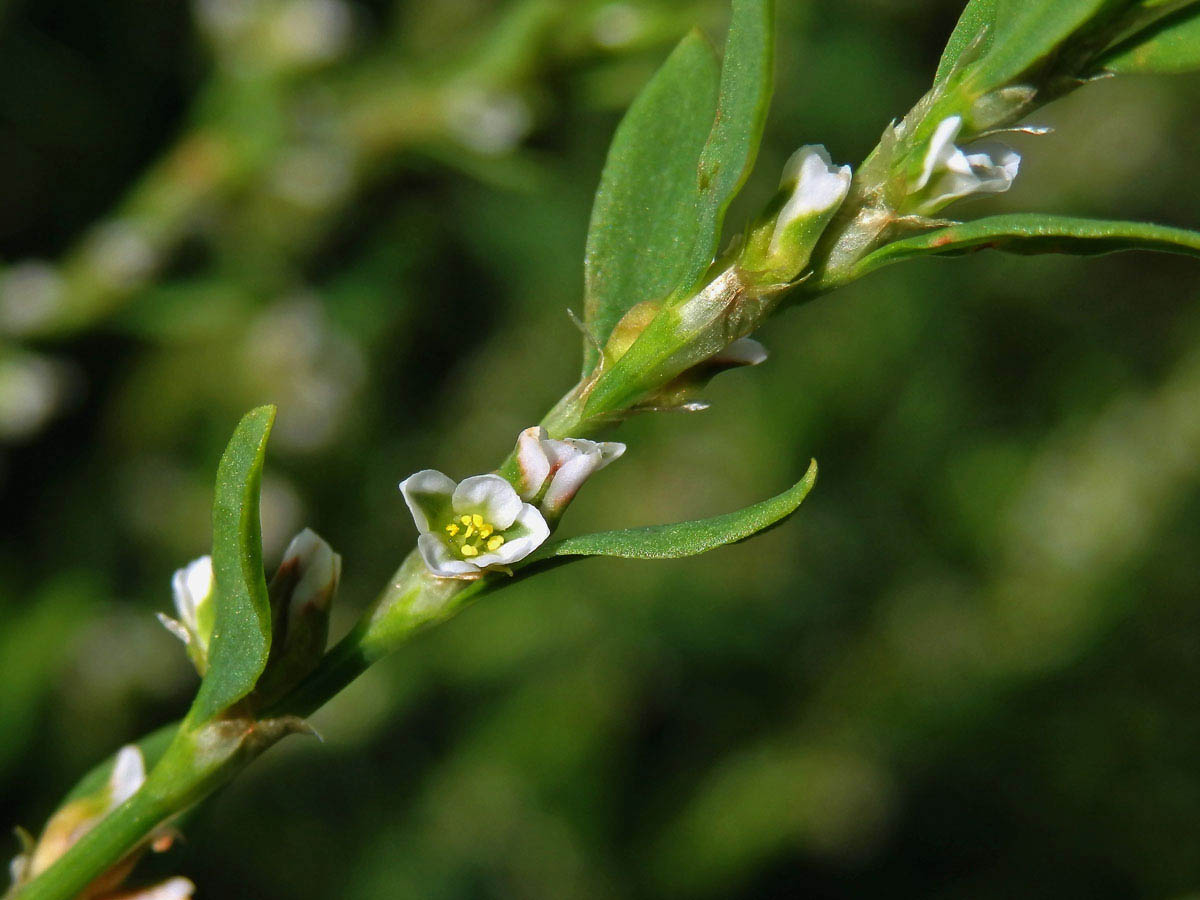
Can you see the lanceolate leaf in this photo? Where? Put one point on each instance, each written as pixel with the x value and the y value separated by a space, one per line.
pixel 1033 234
pixel 1170 46
pixel 974 30
pixel 747 77
pixel 680 156
pixel 682 538
pixel 645 218
pixel 1029 31
pixel 241 637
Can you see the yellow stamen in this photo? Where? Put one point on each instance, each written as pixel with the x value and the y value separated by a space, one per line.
pixel 471 534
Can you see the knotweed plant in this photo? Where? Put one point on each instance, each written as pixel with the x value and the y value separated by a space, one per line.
pixel 666 307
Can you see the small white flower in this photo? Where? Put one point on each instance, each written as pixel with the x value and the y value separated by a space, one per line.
pixel 477 524
pixel 192 587
pixel 554 470
pixel 818 188
pixel 949 174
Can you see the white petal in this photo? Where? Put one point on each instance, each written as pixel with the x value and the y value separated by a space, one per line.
pixel 183 599
pixel 301 548
pixel 319 567
pixel 533 532
pixel 562 452
pixel 199 579
pixel 176 628
pixel 817 185
pixel 18 868
pixel 441 562
pixel 428 494
pixel 191 586
pixel 570 478
pixel 949 174
pixel 742 352
pixel 128 774
pixel 941 148
pixel 998 176
pixel 490 496
pixel 974 174
pixel 611 451
pixel 177 888
pixel 950 186
pixel 532 461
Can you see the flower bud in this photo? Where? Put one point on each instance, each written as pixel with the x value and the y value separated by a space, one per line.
pixel 552 471
pixel 810 191
pixel 948 174
pixel 301 594
pixel 192 587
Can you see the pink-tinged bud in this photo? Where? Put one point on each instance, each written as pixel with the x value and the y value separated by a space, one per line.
pixel 301 594
pixel 552 471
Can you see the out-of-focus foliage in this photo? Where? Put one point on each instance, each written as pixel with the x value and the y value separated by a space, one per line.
pixel 964 669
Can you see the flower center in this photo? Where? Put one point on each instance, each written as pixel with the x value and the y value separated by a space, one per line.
pixel 471 534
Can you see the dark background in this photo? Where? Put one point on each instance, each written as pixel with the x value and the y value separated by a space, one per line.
pixel 966 669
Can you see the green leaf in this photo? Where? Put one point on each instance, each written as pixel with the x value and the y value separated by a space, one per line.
pixel 1031 233
pixel 645 218
pixel 747 78
pixel 682 538
pixel 974 29
pixel 679 157
pixel 1170 47
pixel 1029 31
pixel 241 638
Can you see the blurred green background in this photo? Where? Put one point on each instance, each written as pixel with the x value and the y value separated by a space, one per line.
pixel 966 669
